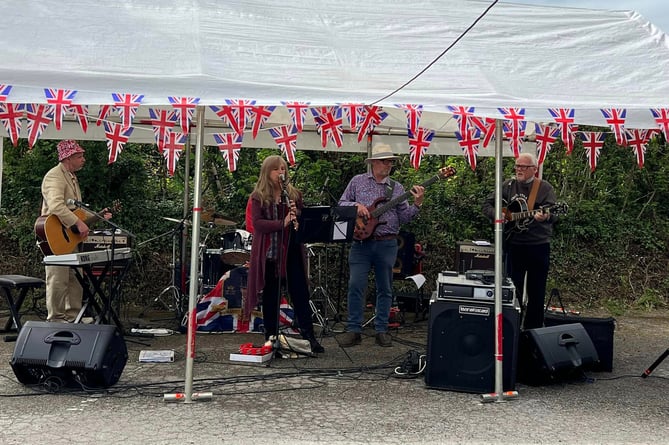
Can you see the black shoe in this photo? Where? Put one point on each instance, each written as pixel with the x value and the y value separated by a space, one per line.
pixel 315 346
pixel 384 339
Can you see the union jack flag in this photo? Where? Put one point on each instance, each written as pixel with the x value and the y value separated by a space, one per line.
pixel 60 100
pixel 413 113
pixel 462 116
pixel 241 110
pixel 4 92
pixel 285 137
pixel 418 145
pixel 298 112
pixel 117 136
pixel 184 107
pixel 81 114
pixel 161 121
pixel 593 142
pixel 329 123
pixel 353 113
pixel 486 127
pixel 103 113
pixel 174 146
pixel 615 117
pixel 638 140
pixel 546 136
pixel 127 105
pixel 564 117
pixel 228 116
pixel 514 127
pixel 469 143
pixel 10 116
pixel 259 115
pixel 38 117
pixel 229 144
pixel 371 117
pixel 661 116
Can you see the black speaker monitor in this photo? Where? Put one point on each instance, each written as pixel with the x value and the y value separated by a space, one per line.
pixel 555 353
pixel 73 355
pixel 461 346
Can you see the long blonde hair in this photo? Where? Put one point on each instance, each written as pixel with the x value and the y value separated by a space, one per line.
pixel 264 189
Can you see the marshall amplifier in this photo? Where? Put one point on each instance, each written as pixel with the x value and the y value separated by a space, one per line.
pixel 104 239
pixel 474 255
pixel 460 287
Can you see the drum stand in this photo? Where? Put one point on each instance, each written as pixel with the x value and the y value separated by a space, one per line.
pixel 320 293
pixel 171 297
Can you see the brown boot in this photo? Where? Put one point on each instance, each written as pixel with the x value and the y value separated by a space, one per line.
pixel 348 339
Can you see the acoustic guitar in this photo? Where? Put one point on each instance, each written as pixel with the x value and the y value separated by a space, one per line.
pixel 364 227
pixel 53 238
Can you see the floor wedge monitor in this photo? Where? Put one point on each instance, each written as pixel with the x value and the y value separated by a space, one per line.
pixel 461 346
pixel 67 354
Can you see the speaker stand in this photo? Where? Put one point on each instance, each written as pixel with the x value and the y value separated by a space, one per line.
pixel 659 360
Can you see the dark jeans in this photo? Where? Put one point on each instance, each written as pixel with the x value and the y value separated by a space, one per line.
pixel 534 261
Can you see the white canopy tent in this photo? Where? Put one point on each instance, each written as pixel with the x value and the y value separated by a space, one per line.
pixel 334 52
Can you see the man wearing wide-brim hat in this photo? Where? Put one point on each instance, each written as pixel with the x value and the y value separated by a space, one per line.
pixel 375 245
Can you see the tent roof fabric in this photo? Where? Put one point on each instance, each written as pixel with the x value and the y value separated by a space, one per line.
pixel 340 51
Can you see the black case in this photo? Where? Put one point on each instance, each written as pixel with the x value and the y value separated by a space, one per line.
pixel 600 331
pixel 66 354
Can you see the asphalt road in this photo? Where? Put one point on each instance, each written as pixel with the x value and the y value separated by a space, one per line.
pixel 351 396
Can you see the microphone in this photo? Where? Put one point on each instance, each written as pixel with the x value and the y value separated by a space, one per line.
pixel 282 178
pixel 74 202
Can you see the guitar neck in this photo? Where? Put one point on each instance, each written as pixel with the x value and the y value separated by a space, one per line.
pixel 393 202
pixel 527 214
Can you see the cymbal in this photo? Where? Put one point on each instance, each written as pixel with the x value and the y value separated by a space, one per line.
pixel 185 221
pixel 222 221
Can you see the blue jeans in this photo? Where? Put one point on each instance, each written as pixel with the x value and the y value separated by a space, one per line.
pixel 380 255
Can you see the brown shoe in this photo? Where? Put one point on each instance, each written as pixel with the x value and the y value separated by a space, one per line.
pixel 348 339
pixel 384 339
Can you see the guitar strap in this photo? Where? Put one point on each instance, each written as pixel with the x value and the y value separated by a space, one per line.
pixel 389 189
pixel 533 193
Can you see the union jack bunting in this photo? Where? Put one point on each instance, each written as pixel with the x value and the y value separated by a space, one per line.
pixel 174 146
pixel 298 112
pixel 10 116
pixel 161 121
pixel 81 114
pixel 329 123
pixel 117 136
pixel 546 136
pixel 4 92
pixel 229 116
pixel 285 137
pixel 103 113
pixel 638 140
pixel 241 110
pixel 615 117
pixel 462 116
pixel 413 113
pixel 127 105
pixel 258 116
pixel 38 117
pixel 184 107
pixel 515 127
pixel 60 100
pixel 371 117
pixel 593 142
pixel 486 127
pixel 564 117
pixel 418 145
pixel 229 145
pixel 353 113
pixel 469 143
pixel 661 116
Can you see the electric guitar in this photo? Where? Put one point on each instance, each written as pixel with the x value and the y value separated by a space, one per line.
pixel 364 227
pixel 518 217
pixel 53 238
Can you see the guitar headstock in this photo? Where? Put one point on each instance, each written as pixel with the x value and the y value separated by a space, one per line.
pixel 446 172
pixel 560 208
pixel 116 206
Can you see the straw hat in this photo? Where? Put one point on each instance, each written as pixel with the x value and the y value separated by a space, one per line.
pixel 381 151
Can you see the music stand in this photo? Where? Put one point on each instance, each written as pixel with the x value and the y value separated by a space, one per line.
pixel 324 225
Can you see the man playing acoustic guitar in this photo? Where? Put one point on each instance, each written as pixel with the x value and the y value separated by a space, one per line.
pixel 377 246
pixel 527 248
pixel 63 291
